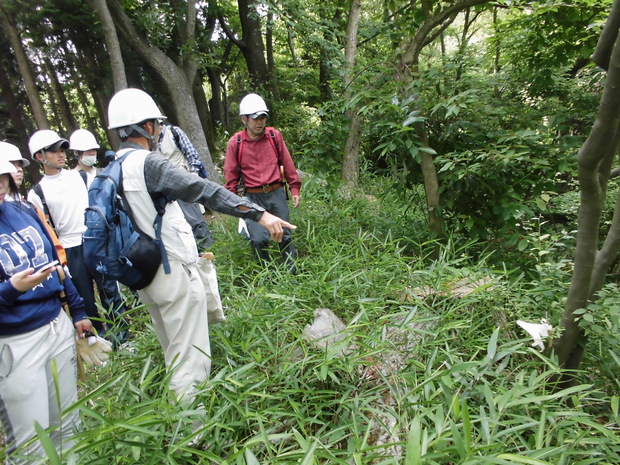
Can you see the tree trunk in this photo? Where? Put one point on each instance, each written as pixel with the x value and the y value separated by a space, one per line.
pixel 252 45
pixel 271 66
pixel 604 48
pixel 101 99
pixel 100 90
pixel 326 58
pixel 595 161
pixel 432 27
pixel 73 69
pixel 468 21
pixel 9 93
pixel 291 42
pixel 430 179
pixel 204 113
pixel 63 108
pixel 36 105
pixel 20 132
pixel 325 74
pixel 93 126
pixel 57 119
pixel 113 47
pixel 218 113
pixel 213 73
pixel 431 186
pixel 351 163
pixel 496 58
pixel 174 78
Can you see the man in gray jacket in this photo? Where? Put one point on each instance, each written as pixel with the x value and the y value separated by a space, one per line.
pixel 176 301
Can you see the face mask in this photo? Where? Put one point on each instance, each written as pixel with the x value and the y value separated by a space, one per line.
pixel 89 160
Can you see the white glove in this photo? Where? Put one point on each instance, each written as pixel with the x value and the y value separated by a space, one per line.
pixel 94 350
pixel 242 228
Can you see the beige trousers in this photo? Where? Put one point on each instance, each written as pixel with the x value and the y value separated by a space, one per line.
pixel 28 364
pixel 177 304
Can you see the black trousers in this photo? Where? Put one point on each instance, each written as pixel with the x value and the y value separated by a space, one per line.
pixel 109 294
pixel 276 203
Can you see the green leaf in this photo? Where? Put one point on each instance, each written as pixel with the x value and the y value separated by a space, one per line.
pixel 48 444
pixel 466 426
pixel 309 457
pixel 540 434
pixel 412 119
pixel 492 346
pixel 520 459
pixel 446 167
pixel 250 458
pixel 414 448
pixel 588 317
pixel 135 450
pixel 428 150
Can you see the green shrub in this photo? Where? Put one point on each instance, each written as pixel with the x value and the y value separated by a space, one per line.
pixel 436 371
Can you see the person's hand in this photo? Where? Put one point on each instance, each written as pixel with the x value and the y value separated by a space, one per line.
pixel 82 326
pixel 28 279
pixel 296 200
pixel 274 225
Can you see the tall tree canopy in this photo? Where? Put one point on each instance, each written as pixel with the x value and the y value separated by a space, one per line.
pixel 483 103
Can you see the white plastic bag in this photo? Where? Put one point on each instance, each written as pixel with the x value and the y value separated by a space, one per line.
pixel 208 275
pixel 326 329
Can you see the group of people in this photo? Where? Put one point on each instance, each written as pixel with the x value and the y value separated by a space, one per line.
pixel 62 195
pixel 37 339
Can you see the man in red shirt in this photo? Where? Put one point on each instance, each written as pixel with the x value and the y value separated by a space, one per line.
pixel 257 164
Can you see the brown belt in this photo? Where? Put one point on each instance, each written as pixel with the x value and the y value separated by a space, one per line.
pixel 265 188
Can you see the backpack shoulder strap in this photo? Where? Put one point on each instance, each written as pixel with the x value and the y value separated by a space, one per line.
pixel 239 147
pixel 175 135
pixel 276 148
pixel 84 177
pixel 46 211
pixel 160 206
pixel 274 143
pixel 239 151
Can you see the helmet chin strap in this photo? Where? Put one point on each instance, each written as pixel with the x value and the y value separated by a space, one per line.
pixel 150 137
pixel 45 162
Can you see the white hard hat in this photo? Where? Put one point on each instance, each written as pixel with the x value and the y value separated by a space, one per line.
pixel 131 106
pixel 10 152
pixel 7 167
pixel 46 139
pixel 83 140
pixel 253 105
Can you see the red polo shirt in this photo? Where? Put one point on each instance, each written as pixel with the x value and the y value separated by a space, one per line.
pixel 260 165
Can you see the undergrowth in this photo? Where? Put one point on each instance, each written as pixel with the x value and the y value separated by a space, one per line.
pixel 432 368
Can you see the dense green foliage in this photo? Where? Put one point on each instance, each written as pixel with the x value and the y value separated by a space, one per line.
pixel 505 136
pixel 506 96
pixel 506 93
pixel 432 374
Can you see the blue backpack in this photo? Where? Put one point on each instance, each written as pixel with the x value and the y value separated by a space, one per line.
pixel 113 245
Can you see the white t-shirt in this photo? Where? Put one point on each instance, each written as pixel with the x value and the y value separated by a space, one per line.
pixel 67 199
